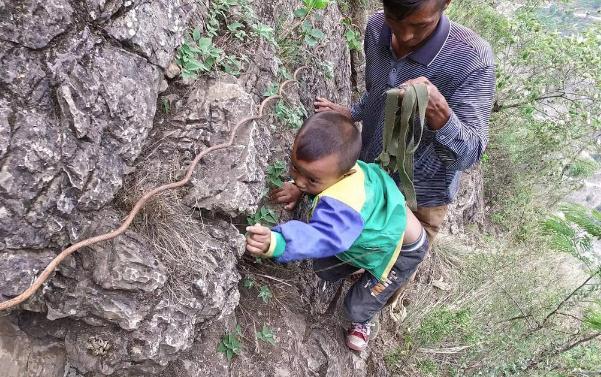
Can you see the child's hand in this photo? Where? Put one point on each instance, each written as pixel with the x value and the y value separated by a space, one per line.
pixel 288 195
pixel 258 239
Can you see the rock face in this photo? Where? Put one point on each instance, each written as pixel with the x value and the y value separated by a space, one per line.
pixel 21 355
pixel 81 139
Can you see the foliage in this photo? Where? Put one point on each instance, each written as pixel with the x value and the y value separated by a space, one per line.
pixel 291 117
pixel 546 109
pixel 309 6
pixel 352 35
pixel 582 168
pixel 230 343
pixel 265 32
pixel 264 216
pixel 248 282
pixel 271 90
pixel 265 293
pixel 276 173
pixel 444 322
pixel 266 335
pixel 166 105
pixel 573 230
pixel 311 35
pixel 198 55
pixel 592 319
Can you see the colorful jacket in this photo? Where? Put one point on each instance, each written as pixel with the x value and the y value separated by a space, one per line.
pixel 361 220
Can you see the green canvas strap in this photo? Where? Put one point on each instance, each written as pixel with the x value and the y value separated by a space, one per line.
pixel 403 109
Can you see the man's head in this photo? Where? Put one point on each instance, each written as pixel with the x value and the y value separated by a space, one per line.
pixel 325 149
pixel 412 21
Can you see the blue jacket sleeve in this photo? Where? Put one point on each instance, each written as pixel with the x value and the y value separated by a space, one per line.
pixel 332 229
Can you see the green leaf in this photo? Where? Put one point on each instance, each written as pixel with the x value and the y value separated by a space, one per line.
pixel 320 4
pixel 317 34
pixel 265 294
pixel 271 90
pixel 234 26
pixel 248 282
pixel 275 181
pixel 266 335
pixel 301 12
pixel 196 34
pixel 204 43
pixel 195 65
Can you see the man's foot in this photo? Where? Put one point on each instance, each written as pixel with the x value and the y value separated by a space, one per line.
pixel 358 336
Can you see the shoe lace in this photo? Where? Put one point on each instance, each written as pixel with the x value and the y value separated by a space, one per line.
pixel 362 328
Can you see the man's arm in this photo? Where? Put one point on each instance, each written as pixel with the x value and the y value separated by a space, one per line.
pixel 461 141
pixel 333 228
pixel 461 123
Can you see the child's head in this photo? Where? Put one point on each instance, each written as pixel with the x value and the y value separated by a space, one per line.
pixel 325 150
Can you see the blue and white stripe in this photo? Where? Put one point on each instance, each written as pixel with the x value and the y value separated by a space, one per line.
pixel 461 65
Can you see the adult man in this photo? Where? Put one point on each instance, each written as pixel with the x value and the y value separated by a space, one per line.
pixel 412 41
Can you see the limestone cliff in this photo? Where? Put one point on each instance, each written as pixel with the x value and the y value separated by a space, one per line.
pixel 82 136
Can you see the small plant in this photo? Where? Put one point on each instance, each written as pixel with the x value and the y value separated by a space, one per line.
pixel 248 282
pixel 230 343
pixel 292 117
pixel 309 6
pixel 198 55
pixel 166 105
pixel 236 29
pixel 264 32
pixel 231 65
pixel 443 323
pixel 265 293
pixel 582 168
pixel 312 36
pixel 276 173
pixel 428 367
pixel 271 90
pixel 264 216
pixel 266 335
pixel 352 35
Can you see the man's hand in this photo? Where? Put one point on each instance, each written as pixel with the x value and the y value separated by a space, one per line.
pixel 258 239
pixel 322 104
pixel 438 111
pixel 287 195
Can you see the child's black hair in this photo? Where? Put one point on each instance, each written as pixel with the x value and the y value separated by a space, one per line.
pixel 327 133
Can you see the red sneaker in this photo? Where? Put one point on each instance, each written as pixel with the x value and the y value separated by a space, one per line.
pixel 358 336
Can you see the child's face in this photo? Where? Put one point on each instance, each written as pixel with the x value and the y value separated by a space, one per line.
pixel 316 176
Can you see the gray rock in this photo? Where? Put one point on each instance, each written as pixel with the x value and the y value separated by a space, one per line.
pixel 18 269
pixel 155 29
pixel 102 10
pixel 34 23
pixel 21 355
pixel 126 263
pixel 94 305
pixel 468 207
pixel 208 116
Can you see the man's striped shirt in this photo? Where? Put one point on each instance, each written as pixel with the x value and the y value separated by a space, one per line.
pixel 460 64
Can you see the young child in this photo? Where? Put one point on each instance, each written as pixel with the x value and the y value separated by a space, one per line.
pixel 359 221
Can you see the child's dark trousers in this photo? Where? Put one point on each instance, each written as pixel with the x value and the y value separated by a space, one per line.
pixel 365 298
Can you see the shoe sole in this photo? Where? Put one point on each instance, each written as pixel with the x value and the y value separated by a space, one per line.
pixel 355 347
